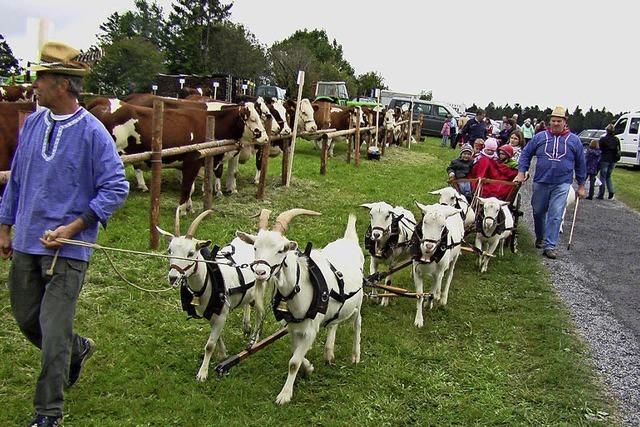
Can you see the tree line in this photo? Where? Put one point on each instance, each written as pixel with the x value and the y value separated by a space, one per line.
pixel 198 37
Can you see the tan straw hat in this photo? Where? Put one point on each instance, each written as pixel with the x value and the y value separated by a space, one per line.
pixel 58 58
pixel 559 112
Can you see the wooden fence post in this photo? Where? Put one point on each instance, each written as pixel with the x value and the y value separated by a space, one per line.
pixel 285 158
pixel 156 172
pixel 294 132
pixel 264 162
pixel 419 128
pixel 384 142
pixel 410 128
pixel 208 165
pixel 324 155
pixel 356 142
pixel 349 138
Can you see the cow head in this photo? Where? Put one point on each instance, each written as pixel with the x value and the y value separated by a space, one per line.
pixel 271 246
pixel 265 114
pixel 449 196
pixel 433 223
pixel 381 214
pixel 356 115
pixel 279 114
pixel 389 119
pixel 306 116
pixel 254 129
pixel 186 246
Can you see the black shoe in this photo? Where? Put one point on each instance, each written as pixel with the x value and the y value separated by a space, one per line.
pixel 550 253
pixel 538 243
pixel 76 366
pixel 610 196
pixel 589 198
pixel 46 421
pixel 600 197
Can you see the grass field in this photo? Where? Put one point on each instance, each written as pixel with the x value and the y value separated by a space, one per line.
pixel 503 351
pixel 626 182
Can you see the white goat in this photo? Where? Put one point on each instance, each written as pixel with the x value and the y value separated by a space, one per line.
pixel 388 237
pixel 495 225
pixel 450 196
pixel 571 200
pixel 278 260
pixel 440 234
pixel 201 291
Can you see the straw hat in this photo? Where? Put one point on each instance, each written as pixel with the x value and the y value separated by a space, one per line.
pixel 58 58
pixel 559 112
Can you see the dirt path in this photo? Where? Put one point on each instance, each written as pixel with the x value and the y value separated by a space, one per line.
pixel 599 281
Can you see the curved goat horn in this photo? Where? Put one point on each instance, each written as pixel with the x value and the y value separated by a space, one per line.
pixel 264 219
pixel 196 222
pixel 176 226
pixel 282 222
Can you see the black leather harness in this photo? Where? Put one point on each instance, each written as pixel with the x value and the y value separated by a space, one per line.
pixel 499 221
pixel 219 294
pixel 392 241
pixel 436 256
pixel 321 294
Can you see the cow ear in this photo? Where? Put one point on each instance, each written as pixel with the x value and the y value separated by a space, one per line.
pixel 245 113
pixel 315 107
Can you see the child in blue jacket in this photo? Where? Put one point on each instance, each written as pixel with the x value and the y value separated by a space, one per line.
pixel 593 165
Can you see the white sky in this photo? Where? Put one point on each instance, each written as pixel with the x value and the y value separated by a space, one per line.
pixel 545 52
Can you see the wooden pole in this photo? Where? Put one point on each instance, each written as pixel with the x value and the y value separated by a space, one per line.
pixel 156 172
pixel 384 143
pixel 294 132
pixel 356 139
pixel 208 165
pixel 324 155
pixel 285 159
pixel 419 127
pixel 264 162
pixel 410 130
pixel 377 116
pixel 349 139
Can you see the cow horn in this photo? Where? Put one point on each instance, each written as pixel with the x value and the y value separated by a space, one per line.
pixel 176 226
pixel 282 222
pixel 196 222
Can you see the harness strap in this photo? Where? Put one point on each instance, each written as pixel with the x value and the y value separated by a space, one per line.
pixel 243 288
pixel 340 297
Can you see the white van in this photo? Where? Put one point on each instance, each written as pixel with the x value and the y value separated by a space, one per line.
pixel 626 129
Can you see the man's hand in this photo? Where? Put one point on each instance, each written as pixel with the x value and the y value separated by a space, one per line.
pixel 5 241
pixel 520 177
pixel 452 176
pixel 64 232
pixel 581 191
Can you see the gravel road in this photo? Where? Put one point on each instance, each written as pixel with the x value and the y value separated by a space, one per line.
pixel 599 282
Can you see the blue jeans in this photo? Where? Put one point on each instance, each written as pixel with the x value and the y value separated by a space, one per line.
pixel 606 169
pixel 548 202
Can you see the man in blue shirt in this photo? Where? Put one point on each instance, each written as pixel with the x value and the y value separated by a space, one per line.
pixel 66 179
pixel 559 153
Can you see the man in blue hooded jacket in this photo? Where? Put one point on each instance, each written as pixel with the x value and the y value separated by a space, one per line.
pixel 559 155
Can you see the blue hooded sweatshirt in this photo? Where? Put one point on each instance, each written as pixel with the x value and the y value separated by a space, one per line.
pixel 558 157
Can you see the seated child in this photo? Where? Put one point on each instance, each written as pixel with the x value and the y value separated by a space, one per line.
pixel 460 168
pixel 505 156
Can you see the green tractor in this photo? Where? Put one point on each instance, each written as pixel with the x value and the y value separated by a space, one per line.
pixel 336 92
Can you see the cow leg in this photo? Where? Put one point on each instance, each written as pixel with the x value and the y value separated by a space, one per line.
pixel 230 185
pixel 217 172
pixel 329 345
pixel 259 152
pixel 418 322
pixel 330 144
pixel 190 170
pixel 140 184
pixel 302 344
pixel 445 292
pixel 217 323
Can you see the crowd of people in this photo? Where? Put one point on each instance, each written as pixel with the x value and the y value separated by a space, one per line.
pixel 505 152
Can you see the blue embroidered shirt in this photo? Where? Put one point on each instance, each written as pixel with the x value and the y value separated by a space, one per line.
pixel 62 169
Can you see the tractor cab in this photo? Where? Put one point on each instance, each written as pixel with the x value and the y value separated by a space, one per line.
pixel 335 92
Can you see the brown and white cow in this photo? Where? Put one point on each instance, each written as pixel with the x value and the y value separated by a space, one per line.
pixel 130 126
pixel 17 93
pixel 306 121
pixel 331 116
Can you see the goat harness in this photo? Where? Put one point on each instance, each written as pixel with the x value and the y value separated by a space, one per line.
pixel 219 293
pixel 443 245
pixel 321 293
pixel 392 241
pixel 499 221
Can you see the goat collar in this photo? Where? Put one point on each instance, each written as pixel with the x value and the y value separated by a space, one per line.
pixel 392 242
pixel 441 249
pixel 498 221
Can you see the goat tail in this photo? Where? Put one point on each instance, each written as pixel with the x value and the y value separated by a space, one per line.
pixel 351 233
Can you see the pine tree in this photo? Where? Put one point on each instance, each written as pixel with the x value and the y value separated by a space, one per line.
pixel 8 63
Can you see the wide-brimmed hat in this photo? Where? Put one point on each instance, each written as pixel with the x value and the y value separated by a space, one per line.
pixel 58 58
pixel 559 111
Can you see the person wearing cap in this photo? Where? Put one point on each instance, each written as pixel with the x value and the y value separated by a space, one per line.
pixel 560 156
pixel 66 179
pixel 459 168
pixel 528 130
pixel 505 157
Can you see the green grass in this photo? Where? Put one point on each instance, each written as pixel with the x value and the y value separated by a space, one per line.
pixel 503 352
pixel 627 185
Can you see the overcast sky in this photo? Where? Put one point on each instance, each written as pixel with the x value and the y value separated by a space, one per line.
pixel 551 53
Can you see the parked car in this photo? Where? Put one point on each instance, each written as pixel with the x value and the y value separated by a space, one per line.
pixel 627 129
pixel 434 113
pixel 588 135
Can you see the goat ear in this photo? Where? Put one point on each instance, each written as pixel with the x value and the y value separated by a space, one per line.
pixel 503 203
pixel 168 236
pixel 452 211
pixel 421 206
pixel 291 246
pixel 436 192
pixel 481 200
pixel 245 237
pixel 202 244
pixel 367 205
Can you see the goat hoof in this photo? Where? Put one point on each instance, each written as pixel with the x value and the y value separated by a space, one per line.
pixel 329 358
pixel 418 323
pixel 283 398
pixel 355 358
pixel 144 189
pixel 202 376
pixel 308 370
